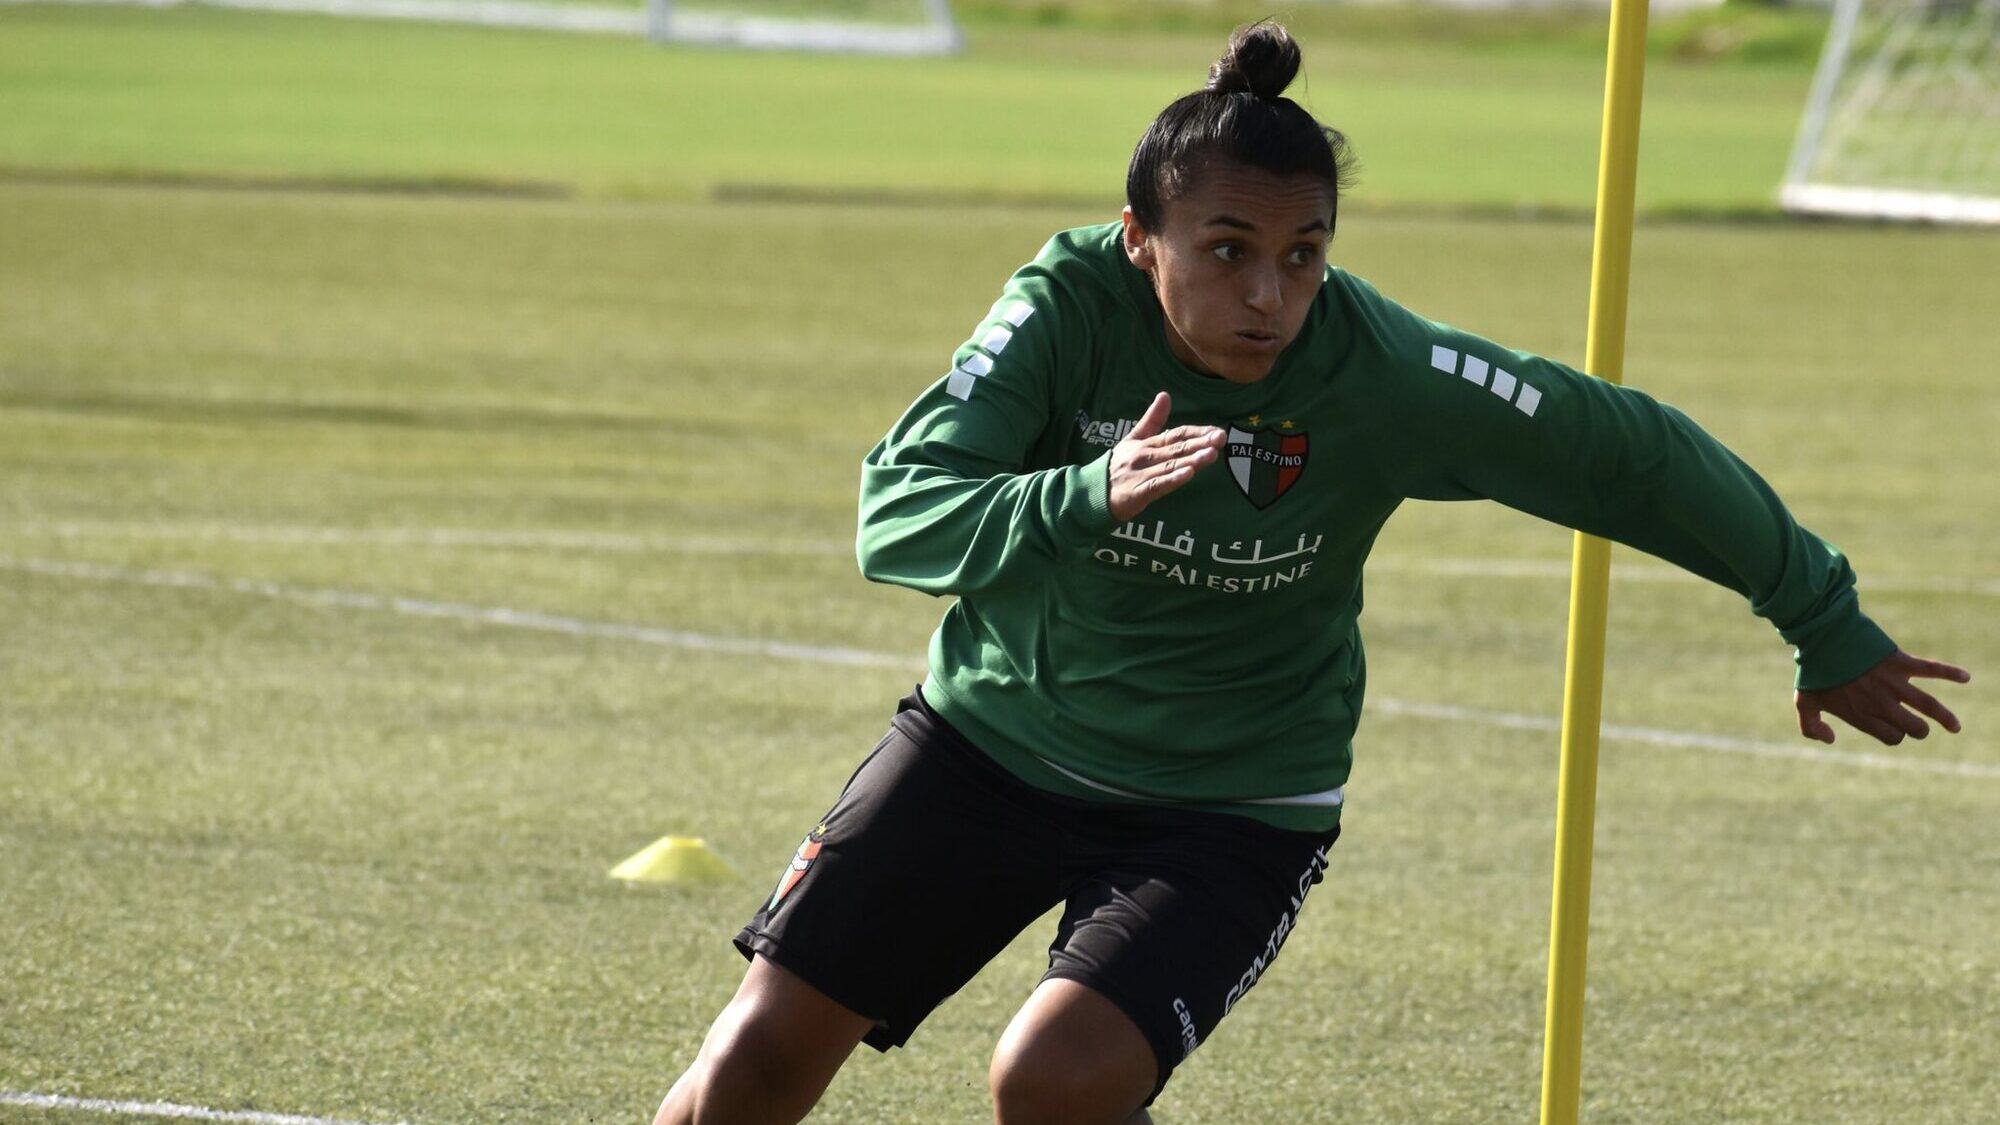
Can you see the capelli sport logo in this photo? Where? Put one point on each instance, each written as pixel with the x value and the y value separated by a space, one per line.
pixel 1267 459
pixel 1104 433
pixel 802 861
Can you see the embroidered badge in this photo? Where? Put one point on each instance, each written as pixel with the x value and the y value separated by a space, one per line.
pixel 1267 461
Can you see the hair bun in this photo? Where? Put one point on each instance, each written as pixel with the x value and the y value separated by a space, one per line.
pixel 1262 59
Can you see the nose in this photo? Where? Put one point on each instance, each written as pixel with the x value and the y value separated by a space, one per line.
pixel 1264 293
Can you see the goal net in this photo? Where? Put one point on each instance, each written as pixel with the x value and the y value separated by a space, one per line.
pixel 1904 120
pixel 895 27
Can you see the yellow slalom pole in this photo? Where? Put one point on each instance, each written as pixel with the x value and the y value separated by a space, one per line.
pixel 1583 692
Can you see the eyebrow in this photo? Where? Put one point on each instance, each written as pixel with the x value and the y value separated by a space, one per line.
pixel 1242 224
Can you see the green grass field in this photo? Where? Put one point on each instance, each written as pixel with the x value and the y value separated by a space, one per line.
pixel 297 817
pixel 1438 121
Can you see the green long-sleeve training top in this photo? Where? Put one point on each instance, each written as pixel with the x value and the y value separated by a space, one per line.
pixel 1207 653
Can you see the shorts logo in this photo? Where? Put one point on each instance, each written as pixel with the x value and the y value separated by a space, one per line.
pixel 802 861
pixel 1287 919
pixel 1267 461
pixel 1190 1037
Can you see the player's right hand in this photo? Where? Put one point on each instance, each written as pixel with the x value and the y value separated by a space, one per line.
pixel 1151 462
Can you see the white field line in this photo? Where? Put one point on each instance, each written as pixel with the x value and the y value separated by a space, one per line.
pixel 458 611
pixel 1654 572
pixel 822 654
pixel 1685 740
pixel 450 537
pixel 165 1109
pixel 614 541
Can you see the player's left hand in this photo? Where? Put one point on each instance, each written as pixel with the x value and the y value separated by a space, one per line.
pixel 1882 702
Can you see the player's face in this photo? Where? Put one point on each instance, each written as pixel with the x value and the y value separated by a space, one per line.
pixel 1237 265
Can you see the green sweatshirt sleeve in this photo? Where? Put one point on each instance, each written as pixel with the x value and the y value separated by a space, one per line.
pixel 1476 420
pixel 950 503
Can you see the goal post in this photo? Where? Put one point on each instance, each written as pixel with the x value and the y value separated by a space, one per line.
pixel 877 27
pixel 1904 117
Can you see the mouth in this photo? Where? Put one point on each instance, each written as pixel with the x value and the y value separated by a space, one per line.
pixel 1258 341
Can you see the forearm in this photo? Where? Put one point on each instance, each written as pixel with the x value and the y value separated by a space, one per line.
pixel 1712 515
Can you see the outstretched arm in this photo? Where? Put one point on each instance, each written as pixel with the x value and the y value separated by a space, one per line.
pixel 1471 419
pixel 1884 702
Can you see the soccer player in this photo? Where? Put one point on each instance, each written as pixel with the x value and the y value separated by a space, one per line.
pixel 1151 479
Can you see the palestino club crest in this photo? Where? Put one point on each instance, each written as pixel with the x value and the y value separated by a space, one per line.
pixel 802 861
pixel 1266 461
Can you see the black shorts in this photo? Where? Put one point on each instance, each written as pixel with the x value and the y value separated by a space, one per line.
pixel 934 858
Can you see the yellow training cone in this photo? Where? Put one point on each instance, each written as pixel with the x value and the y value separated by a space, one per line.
pixel 675 859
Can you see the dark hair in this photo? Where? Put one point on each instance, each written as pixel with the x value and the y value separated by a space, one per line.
pixel 1241 116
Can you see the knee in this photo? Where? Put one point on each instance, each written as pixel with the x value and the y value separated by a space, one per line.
pixel 1071 1057
pixel 1032 1087
pixel 751 1068
pixel 768 1056
pixel 758 1051
pixel 1028 1092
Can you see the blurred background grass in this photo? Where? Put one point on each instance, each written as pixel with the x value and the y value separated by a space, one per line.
pixel 1467 111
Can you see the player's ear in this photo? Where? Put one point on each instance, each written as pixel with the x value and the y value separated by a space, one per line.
pixel 1138 243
